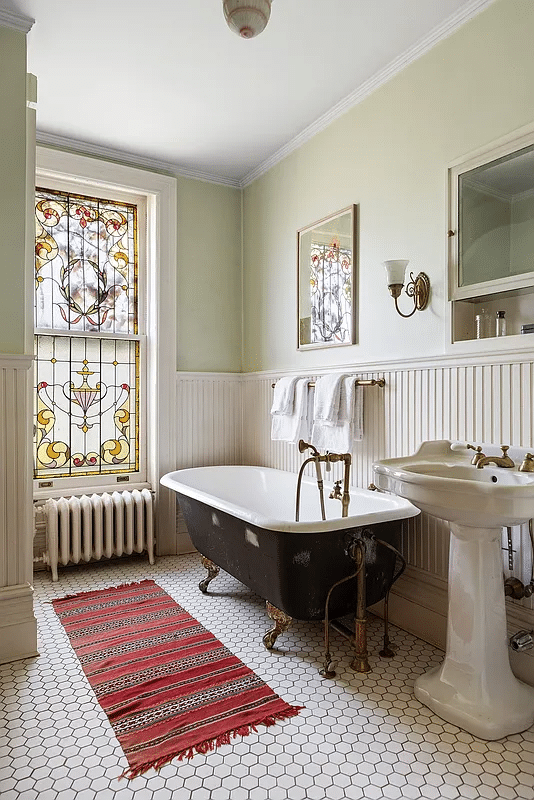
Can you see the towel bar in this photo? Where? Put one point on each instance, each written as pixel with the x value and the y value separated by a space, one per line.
pixel 359 382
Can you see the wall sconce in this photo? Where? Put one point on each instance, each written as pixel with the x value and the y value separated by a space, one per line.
pixel 418 288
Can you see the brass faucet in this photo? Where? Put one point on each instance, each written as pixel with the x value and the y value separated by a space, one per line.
pixel 328 458
pixel 336 493
pixel 478 454
pixel 499 461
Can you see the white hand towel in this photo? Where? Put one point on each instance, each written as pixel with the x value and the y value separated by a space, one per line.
pixel 327 398
pixel 284 395
pixel 339 437
pixel 292 427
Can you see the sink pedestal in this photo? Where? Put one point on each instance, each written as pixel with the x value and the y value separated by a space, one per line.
pixel 475 687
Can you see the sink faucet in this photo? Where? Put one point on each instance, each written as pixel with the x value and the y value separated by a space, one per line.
pixel 499 461
pixel 478 454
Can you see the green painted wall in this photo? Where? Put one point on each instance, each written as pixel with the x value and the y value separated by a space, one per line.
pixel 12 189
pixel 209 277
pixel 389 154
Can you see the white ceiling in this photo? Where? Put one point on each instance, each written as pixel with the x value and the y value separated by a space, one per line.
pixel 167 81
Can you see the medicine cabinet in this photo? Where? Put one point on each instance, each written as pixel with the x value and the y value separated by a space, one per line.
pixel 491 238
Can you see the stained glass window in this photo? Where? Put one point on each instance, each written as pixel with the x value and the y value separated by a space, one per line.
pixel 86 380
pixel 85 263
pixel 331 293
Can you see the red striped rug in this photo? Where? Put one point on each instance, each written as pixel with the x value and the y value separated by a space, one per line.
pixel 168 686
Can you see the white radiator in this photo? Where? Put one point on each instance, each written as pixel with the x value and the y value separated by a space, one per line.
pixel 99 526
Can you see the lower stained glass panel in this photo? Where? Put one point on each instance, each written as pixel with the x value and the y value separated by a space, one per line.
pixel 86 406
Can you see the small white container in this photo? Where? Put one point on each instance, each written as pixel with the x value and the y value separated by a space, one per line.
pixel 500 324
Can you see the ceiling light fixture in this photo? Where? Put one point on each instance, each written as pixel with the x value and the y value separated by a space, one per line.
pixel 247 17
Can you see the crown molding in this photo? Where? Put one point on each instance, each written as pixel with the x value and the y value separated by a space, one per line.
pixel 10 19
pixel 111 154
pixel 442 31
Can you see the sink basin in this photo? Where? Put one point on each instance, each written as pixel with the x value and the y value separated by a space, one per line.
pixel 461 472
pixel 443 482
pixel 474 687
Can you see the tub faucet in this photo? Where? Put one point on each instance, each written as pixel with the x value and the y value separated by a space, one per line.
pixel 499 461
pixel 328 458
pixel 336 493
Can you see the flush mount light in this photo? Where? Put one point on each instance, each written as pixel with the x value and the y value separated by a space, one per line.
pixel 247 17
pixel 418 288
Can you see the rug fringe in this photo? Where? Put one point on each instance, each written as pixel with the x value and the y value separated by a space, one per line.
pixel 211 744
pixel 96 592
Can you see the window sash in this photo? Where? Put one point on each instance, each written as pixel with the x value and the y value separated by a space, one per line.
pixel 75 390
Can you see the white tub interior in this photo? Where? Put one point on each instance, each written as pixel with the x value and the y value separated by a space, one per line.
pixel 265 497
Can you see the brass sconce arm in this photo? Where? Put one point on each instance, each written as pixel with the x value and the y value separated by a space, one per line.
pixel 418 288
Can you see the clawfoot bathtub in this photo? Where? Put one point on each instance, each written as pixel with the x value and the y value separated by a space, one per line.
pixel 241 519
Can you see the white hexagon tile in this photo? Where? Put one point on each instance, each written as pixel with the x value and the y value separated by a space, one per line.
pixel 359 736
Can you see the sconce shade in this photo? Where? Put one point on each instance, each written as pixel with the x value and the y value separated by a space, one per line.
pixel 396 270
pixel 247 17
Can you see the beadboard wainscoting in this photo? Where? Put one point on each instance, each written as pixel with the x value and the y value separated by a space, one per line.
pixel 18 633
pixel 209 413
pixel 225 419
pixel 488 402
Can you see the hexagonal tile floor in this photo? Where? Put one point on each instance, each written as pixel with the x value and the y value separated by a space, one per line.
pixel 360 735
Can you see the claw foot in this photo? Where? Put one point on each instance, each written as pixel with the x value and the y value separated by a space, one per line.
pixel 213 571
pixel 281 623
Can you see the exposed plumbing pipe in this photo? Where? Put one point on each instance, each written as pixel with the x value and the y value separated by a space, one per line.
pixel 522 640
pixel 529 589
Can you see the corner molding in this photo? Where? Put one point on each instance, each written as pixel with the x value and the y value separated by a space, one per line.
pixel 130 159
pixel 18 22
pixel 440 32
pixel 12 361
pixel 18 627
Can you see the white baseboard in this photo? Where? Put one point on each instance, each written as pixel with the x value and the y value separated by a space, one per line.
pixel 18 626
pixel 418 604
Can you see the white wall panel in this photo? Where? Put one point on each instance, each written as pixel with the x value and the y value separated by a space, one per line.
pixel 208 419
pixel 18 634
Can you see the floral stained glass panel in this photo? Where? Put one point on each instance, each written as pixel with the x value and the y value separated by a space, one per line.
pixel 86 406
pixel 85 264
pixel 331 293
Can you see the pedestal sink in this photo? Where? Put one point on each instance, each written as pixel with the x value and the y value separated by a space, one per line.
pixel 474 687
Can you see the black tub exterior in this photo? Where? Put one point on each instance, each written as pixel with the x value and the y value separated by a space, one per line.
pixel 293 571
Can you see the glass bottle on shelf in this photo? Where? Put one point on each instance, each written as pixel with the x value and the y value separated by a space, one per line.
pixel 482 324
pixel 500 324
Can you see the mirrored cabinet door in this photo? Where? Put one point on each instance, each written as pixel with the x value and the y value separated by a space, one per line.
pixel 491 241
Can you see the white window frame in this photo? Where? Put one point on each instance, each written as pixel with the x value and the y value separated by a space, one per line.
pixel 86 175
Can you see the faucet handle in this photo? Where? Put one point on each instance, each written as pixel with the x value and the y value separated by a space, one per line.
pixel 478 454
pixel 527 464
